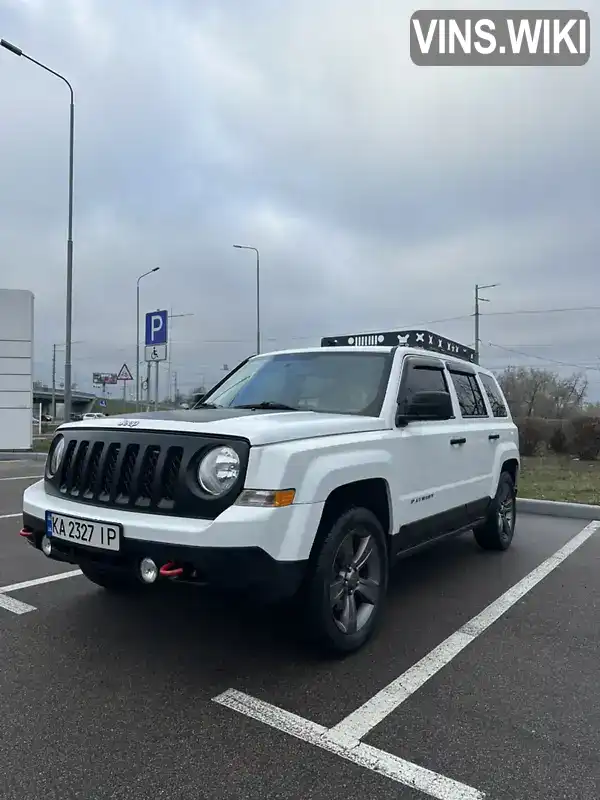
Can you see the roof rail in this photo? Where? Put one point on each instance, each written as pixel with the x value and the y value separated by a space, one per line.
pixel 424 340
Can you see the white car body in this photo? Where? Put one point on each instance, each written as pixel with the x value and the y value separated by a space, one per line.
pixel 429 486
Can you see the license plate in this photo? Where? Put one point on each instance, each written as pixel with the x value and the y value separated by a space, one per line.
pixel 86 532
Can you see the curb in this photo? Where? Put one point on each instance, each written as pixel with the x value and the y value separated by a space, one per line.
pixel 21 455
pixel 552 508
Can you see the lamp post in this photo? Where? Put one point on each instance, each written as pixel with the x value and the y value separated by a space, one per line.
pixel 245 247
pixel 69 309
pixel 479 299
pixel 174 316
pixel 55 347
pixel 137 337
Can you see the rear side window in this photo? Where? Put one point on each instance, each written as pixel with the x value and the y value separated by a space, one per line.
pixel 422 379
pixel 469 394
pixel 494 395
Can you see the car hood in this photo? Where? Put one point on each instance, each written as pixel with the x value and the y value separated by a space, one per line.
pixel 258 426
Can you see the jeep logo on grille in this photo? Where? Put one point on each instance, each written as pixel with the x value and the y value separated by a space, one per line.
pixel 128 423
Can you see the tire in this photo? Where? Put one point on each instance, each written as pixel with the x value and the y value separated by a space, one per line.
pixel 114 580
pixel 497 532
pixel 342 605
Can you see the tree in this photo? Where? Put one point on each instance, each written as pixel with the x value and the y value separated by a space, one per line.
pixel 534 392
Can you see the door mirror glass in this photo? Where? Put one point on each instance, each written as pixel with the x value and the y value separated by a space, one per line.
pixel 426 406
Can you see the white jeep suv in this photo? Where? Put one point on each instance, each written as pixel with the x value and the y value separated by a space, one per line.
pixel 303 473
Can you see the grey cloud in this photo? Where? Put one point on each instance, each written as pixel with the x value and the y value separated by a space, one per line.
pixel 378 192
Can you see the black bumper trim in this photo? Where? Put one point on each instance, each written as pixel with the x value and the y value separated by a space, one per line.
pixel 234 568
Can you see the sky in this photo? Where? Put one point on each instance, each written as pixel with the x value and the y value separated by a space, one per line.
pixel 378 192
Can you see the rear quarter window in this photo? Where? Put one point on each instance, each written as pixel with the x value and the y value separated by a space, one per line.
pixel 469 395
pixel 494 395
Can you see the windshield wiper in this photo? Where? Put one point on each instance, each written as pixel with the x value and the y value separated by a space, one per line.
pixel 268 404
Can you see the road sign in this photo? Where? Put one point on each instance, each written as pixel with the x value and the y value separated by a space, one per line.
pixel 156 327
pixel 157 352
pixel 124 374
pixel 104 378
pixel 102 403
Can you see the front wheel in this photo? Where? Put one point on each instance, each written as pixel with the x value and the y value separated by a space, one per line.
pixel 497 532
pixel 346 589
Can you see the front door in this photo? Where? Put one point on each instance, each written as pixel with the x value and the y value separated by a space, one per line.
pixel 431 470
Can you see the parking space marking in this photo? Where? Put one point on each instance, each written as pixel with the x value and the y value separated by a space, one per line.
pixel 16 606
pixel 21 477
pixel 364 755
pixel 344 739
pixel 11 516
pixel 59 576
pixel 360 722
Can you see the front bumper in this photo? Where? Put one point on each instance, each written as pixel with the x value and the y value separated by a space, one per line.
pixel 233 568
pixel 245 547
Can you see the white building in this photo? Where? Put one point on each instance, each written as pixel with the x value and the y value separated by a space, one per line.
pixel 16 369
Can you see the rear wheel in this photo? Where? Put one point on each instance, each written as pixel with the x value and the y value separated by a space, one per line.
pixel 497 532
pixel 345 592
pixel 114 580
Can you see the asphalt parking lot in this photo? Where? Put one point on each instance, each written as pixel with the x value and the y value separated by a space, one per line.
pixel 483 682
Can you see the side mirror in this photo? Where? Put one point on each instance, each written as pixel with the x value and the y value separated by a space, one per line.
pixel 426 406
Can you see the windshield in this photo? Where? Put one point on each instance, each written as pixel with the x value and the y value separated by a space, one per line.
pixel 326 381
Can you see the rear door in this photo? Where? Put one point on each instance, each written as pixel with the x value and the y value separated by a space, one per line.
pixel 430 469
pixel 478 452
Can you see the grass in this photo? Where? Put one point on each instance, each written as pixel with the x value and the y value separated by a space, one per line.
pixel 41 445
pixel 560 478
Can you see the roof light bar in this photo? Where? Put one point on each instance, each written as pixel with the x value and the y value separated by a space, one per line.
pixel 424 340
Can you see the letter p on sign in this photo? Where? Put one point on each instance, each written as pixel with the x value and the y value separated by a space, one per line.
pixel 156 327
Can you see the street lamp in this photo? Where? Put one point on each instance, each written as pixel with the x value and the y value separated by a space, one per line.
pixel 137 337
pixel 245 247
pixel 55 347
pixel 69 309
pixel 174 316
pixel 479 299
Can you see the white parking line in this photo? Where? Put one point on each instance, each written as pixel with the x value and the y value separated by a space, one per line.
pixel 375 710
pixel 11 516
pixel 16 606
pixel 60 576
pixel 386 764
pixel 22 477
pixel 344 739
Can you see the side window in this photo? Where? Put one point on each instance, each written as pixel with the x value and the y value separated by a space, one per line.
pixel 421 379
pixel 469 394
pixel 494 395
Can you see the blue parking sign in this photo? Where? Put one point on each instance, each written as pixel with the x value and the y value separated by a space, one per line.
pixel 156 327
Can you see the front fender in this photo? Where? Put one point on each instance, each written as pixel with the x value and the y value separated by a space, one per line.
pixel 507 451
pixel 328 471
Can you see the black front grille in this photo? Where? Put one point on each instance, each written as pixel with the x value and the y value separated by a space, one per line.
pixel 140 471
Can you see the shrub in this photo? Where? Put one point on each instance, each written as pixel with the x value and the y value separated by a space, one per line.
pixel 585 437
pixel 534 434
pixel 560 437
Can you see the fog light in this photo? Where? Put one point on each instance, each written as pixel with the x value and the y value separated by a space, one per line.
pixel 46 546
pixel 148 570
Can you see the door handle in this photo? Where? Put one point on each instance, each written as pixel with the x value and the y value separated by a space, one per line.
pixel 493 436
pixel 458 441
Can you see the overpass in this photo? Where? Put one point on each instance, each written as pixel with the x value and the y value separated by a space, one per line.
pixel 82 402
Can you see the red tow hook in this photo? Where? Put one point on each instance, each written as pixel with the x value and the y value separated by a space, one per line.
pixel 24 532
pixel 169 570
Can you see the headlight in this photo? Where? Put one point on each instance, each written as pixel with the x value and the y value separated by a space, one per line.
pixel 56 457
pixel 219 470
